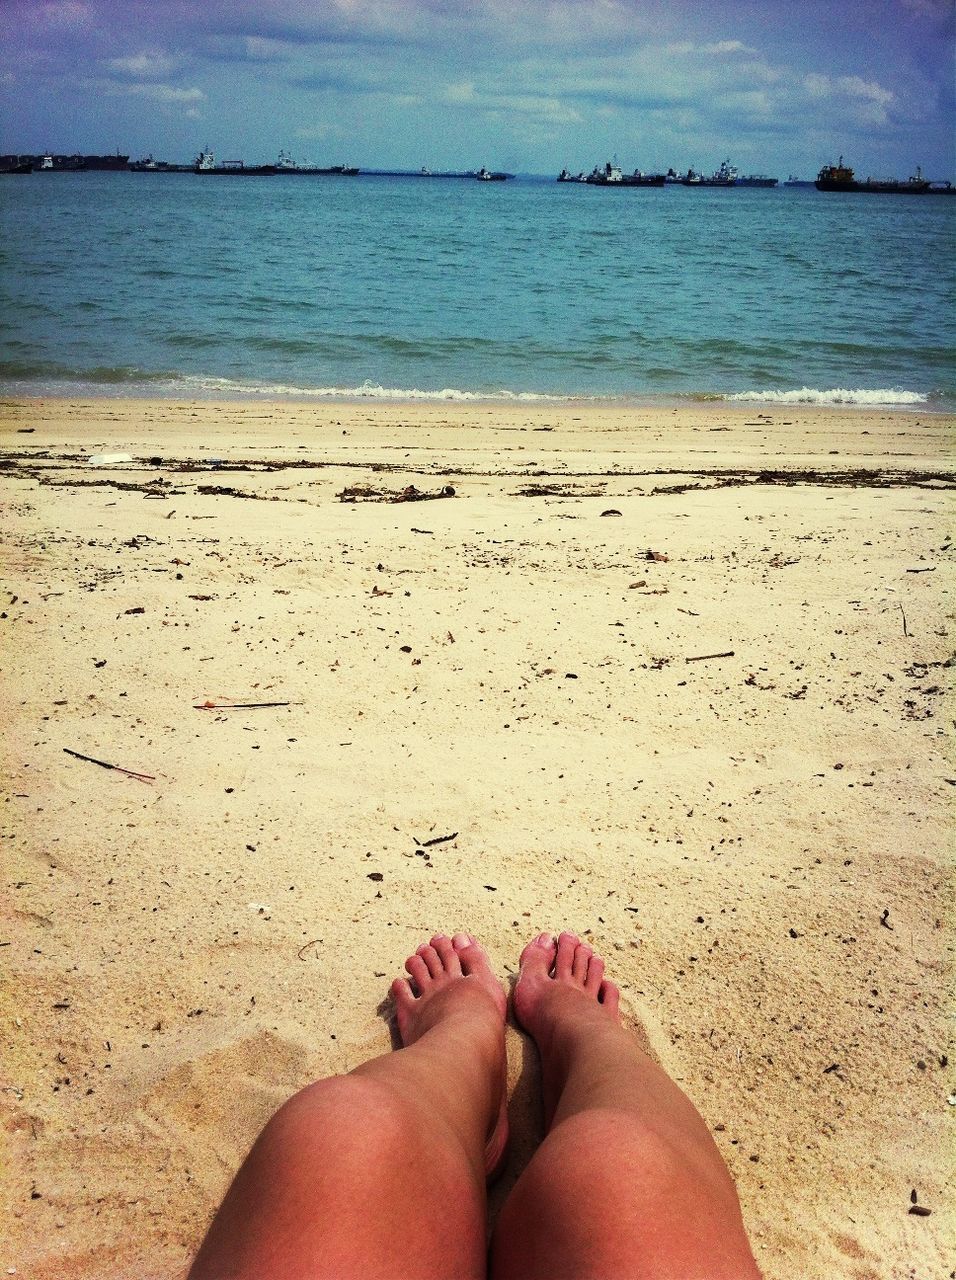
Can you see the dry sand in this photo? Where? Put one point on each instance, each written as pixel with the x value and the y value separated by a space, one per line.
pixel 758 842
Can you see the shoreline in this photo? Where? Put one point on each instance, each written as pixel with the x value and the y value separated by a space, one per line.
pixel 867 400
pixel 675 678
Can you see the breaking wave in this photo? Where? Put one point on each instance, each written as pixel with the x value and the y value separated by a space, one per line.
pixel 836 395
pixel 229 387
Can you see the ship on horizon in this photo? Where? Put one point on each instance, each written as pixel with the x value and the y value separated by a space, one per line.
pixel 839 177
pixel 52 162
pixel 206 164
pixel 285 164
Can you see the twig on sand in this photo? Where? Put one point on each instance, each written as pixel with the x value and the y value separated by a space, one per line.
pixel 425 844
pixel 905 631
pixel 104 764
pixel 236 706
pixel 703 657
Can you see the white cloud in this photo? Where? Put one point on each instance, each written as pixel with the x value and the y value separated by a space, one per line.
pixel 142 66
pixel 551 109
pixel 261 49
pixel 165 93
pixel 711 50
pixel 748 103
pixel 460 94
pixel 491 100
pixel 854 87
pixel 857 87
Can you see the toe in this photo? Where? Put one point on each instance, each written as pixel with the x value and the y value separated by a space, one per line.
pixel 610 997
pixel 470 954
pixel 595 976
pixel 579 965
pixel 418 969
pixel 402 993
pixel 539 953
pixel 431 959
pixel 567 944
pixel 445 950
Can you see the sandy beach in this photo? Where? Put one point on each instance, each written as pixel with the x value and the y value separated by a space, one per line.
pixel 675 678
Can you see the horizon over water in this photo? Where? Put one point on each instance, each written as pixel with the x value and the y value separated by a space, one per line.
pixel 406 288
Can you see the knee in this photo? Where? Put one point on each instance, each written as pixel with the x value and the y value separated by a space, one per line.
pixel 622 1146
pixel 355 1117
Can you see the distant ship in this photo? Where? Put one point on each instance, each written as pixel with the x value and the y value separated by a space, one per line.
pixel 285 164
pixel 756 180
pixel 611 175
pixel 725 176
pixel 206 164
pixel 116 162
pixel 490 175
pixel 838 177
pixel 51 163
pixel 794 181
pixel 149 165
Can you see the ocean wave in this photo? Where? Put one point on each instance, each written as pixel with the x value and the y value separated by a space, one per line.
pixel 229 387
pixel 836 395
pixel 48 372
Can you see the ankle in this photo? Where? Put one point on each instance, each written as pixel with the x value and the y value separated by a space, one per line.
pixel 565 1017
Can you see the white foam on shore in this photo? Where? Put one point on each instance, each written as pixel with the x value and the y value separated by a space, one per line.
pixel 836 395
pixel 229 387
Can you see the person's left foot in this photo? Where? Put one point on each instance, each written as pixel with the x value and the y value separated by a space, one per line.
pixel 453 978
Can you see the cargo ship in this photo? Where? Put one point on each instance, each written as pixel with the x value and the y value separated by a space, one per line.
pixel 206 164
pixel 839 177
pixel 76 163
pixel 285 164
pixel 149 165
pixel 611 175
pixel 725 176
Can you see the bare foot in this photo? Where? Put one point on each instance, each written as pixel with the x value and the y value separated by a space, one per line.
pixel 561 992
pixel 452 978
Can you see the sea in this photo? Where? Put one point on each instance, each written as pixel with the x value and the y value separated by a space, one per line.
pixel 415 288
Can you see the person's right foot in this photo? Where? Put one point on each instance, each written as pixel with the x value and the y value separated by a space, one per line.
pixel 452 978
pixel 562 993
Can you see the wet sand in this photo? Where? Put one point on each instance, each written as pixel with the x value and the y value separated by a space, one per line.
pixel 674 678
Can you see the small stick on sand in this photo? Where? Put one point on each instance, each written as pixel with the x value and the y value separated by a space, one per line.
pixel 236 706
pixel 425 844
pixel 703 657
pixel 104 764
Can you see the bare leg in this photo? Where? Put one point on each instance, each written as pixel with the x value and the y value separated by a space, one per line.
pixel 381 1173
pixel 628 1181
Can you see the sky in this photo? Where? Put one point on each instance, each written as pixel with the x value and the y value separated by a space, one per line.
pixel 778 86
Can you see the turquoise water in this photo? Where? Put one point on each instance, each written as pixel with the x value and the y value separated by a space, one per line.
pixel 174 284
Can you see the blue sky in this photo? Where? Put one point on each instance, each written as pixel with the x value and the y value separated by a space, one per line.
pixel 525 85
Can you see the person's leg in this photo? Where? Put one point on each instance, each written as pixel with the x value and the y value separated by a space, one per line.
pixel 381 1173
pixel 628 1181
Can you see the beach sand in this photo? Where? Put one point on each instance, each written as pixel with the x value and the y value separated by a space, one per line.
pixel 670 677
